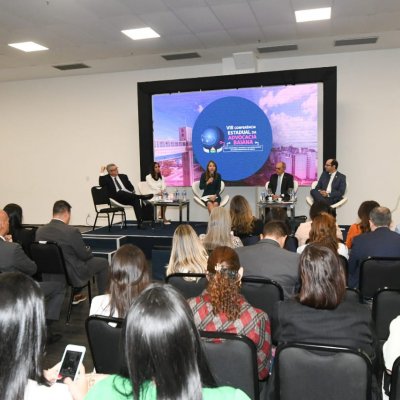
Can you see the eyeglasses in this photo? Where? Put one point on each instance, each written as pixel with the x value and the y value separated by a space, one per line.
pixel 328 165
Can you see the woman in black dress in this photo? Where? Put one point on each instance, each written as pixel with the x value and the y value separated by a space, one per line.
pixel 210 183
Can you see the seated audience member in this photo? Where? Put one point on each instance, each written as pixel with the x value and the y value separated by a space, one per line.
pixel 157 185
pixel 222 308
pixel 244 224
pixel 281 182
pixel 391 351
pixel 219 231
pixel 129 275
pixel 319 314
pixel 79 260
pixel 323 231
pixel 164 355
pixel 23 338
pixel 280 214
pixel 363 226
pixel 19 234
pixel 303 230
pixel 268 259
pixel 380 242
pixel 188 254
pixel 120 188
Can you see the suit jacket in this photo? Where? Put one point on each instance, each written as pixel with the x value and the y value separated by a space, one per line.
pixel 380 243
pixel 13 258
pixel 338 185
pixel 74 249
pixel 266 259
pixel 108 182
pixel 287 182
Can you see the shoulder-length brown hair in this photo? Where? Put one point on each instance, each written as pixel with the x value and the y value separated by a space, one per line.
pixel 129 275
pixel 241 215
pixel 323 283
pixel 323 231
pixel 363 213
pixel 208 176
pixel 224 281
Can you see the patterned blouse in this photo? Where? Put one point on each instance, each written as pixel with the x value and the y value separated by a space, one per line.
pixel 251 322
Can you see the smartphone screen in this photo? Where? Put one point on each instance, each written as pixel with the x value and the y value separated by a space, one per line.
pixel 69 365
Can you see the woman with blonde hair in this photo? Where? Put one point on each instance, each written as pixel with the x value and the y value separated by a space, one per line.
pixel 219 231
pixel 188 254
pixel 244 224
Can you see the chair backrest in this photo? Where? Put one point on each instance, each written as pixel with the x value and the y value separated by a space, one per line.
pixel 49 259
pixel 314 372
pixel 104 337
pixel 395 381
pixel 352 295
pixel 377 273
pixel 190 285
pixel 100 196
pixel 196 189
pixel 160 256
pixel 261 293
pixel 144 188
pixel 385 307
pixel 233 361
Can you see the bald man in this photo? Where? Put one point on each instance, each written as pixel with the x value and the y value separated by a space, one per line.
pixel 281 182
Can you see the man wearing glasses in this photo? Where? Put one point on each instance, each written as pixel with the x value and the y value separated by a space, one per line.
pixel 331 185
pixel 281 182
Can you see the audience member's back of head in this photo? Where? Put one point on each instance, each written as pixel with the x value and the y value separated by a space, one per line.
pixel 14 212
pixel 162 345
pixel 241 214
pixel 22 332
pixel 363 213
pixel 323 231
pixel 129 275
pixel 275 229
pixel 61 206
pixel 380 216
pixel 323 283
pixel 318 207
pixel 218 229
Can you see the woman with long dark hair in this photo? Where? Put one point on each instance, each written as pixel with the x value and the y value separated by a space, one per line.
pixel 164 356
pixel 221 307
pixel 210 183
pixel 129 275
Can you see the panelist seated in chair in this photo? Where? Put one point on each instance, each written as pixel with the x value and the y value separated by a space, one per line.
pixel 120 188
pixel 331 185
pixel 281 182
pixel 210 183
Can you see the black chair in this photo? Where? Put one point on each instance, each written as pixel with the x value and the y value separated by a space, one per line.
pixel 315 372
pixel 395 381
pixel 100 198
pixel 104 337
pixel 233 361
pixel 385 308
pixel 352 295
pixel 345 265
pixel 160 256
pixel 189 285
pixel 377 273
pixel 49 259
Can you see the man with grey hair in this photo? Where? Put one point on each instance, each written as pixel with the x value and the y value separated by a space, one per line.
pixel 281 182
pixel 380 242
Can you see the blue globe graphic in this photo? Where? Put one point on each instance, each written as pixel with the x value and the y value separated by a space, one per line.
pixel 212 139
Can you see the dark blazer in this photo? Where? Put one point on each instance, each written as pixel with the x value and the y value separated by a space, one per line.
pixel 13 258
pixel 382 242
pixel 74 249
pixel 338 185
pixel 287 183
pixel 108 182
pixel 267 259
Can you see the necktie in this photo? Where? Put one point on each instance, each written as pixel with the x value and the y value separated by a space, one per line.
pixel 279 186
pixel 117 184
pixel 329 187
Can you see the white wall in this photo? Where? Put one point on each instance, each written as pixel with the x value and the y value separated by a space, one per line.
pixel 55 133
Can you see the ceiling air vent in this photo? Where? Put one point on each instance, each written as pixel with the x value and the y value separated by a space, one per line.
pixel 181 56
pixel 273 49
pixel 68 67
pixel 352 42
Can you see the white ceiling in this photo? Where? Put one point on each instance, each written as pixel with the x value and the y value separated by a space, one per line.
pixel 89 31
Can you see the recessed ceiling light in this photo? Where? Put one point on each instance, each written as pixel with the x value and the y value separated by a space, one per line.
pixel 315 14
pixel 141 33
pixel 28 46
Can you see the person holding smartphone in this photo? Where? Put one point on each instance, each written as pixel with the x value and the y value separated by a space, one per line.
pixel 210 183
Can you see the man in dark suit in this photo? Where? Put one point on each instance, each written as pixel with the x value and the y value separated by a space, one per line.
pixel 331 185
pixel 268 259
pixel 380 242
pixel 79 260
pixel 120 188
pixel 13 258
pixel 281 182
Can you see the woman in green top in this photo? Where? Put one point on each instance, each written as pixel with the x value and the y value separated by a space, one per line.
pixel 164 357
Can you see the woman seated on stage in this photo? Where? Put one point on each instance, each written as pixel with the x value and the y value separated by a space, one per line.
pixel 323 231
pixel 222 308
pixel 157 185
pixel 164 355
pixel 210 183
pixel 129 275
pixel 188 254
pixel 244 224
pixel 219 231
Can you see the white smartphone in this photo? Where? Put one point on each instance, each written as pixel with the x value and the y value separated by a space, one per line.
pixel 71 361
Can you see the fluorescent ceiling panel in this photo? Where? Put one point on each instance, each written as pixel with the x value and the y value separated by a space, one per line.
pixel 28 46
pixel 141 33
pixel 315 14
